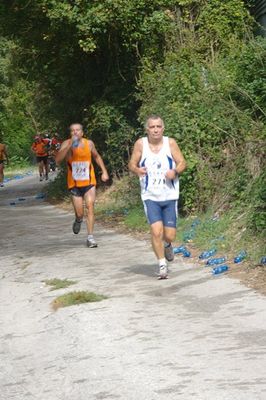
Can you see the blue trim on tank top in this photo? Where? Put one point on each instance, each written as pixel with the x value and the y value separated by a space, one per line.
pixel 146 177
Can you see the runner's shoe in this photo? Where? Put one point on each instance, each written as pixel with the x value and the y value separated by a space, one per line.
pixel 169 253
pixel 76 226
pixel 46 177
pixel 91 243
pixel 41 178
pixel 163 272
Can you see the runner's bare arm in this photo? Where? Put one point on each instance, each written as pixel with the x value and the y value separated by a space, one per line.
pixel 179 160
pixel 99 161
pixel 64 151
pixel 133 164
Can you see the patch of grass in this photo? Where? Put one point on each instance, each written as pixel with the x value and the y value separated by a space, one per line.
pixel 59 283
pixel 74 298
pixel 135 219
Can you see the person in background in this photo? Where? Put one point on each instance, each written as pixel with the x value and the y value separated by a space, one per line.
pixel 56 141
pixel 3 158
pixel 157 161
pixel 40 149
pixel 55 144
pixel 79 154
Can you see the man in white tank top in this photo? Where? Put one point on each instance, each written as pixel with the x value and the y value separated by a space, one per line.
pixel 158 162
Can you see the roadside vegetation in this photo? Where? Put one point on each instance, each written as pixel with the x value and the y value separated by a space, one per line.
pixel 13 171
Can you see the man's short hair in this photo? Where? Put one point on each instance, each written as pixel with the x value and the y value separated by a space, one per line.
pixel 153 116
pixel 76 123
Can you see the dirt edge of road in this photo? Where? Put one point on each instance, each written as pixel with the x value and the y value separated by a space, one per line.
pixel 253 277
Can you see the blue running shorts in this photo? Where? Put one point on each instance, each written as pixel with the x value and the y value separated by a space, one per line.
pixel 165 211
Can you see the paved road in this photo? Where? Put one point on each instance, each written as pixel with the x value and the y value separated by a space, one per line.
pixel 193 336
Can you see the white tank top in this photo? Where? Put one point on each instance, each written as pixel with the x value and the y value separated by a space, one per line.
pixel 155 186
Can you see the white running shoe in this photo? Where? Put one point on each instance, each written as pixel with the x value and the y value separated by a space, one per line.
pixel 163 272
pixel 91 243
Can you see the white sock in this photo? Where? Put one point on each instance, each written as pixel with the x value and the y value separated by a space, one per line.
pixel 161 262
pixel 166 244
pixel 90 237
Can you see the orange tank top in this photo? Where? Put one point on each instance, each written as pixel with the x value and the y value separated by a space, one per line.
pixel 40 149
pixel 80 171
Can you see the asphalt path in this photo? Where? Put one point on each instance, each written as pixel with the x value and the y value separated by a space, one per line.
pixel 193 336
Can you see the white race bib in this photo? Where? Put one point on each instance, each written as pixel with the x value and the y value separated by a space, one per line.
pixel 81 170
pixel 157 179
pixel 156 173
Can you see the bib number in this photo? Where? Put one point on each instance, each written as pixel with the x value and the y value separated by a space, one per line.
pixel 81 171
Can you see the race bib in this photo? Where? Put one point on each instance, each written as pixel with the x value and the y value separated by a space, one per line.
pixel 157 179
pixel 81 170
pixel 156 172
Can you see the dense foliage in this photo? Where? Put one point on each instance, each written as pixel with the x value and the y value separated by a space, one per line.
pixel 111 63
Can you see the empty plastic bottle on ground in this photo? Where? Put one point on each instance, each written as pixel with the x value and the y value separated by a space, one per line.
pixel 186 253
pixel 220 269
pixel 179 250
pixel 207 254
pixel 240 257
pixel 215 261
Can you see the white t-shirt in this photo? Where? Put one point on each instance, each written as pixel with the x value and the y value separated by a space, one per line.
pixel 155 186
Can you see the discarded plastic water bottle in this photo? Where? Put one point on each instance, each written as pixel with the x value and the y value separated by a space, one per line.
pixel 179 250
pixel 186 253
pixel 75 142
pixel 207 254
pixel 40 196
pixel 240 257
pixel 263 260
pixel 215 261
pixel 220 269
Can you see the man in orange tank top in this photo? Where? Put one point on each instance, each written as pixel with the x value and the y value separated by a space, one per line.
pixel 40 149
pixel 78 153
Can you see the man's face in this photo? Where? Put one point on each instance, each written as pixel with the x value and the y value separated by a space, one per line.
pixel 76 130
pixel 155 128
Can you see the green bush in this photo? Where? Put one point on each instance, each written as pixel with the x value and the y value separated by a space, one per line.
pixel 257 214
